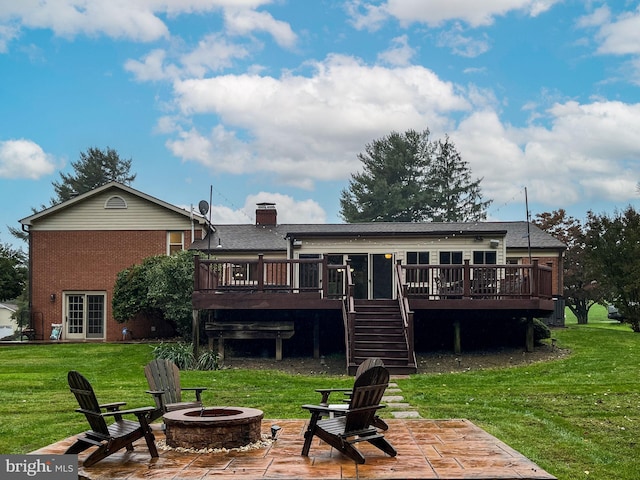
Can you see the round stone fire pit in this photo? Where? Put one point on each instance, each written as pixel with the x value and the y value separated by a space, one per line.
pixel 213 427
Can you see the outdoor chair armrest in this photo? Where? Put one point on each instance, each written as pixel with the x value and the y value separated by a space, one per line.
pixel 325 409
pixel 155 392
pixel 198 391
pixel 133 411
pixel 325 392
pixel 116 413
pixel 112 406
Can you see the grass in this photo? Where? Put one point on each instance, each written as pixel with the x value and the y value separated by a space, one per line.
pixel 577 417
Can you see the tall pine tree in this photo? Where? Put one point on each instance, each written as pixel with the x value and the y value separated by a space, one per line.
pixel 410 178
pixel 94 168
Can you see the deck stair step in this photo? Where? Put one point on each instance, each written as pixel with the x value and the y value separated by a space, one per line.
pixel 379 333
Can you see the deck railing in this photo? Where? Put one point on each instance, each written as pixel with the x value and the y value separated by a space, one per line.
pixel 444 282
pixel 406 313
pixel 270 275
pixel 433 282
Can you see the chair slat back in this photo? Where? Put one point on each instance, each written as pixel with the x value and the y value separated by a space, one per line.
pixel 164 375
pixel 368 389
pixel 368 363
pixel 83 391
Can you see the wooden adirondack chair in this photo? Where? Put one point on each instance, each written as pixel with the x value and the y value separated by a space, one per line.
pixel 356 423
pixel 108 438
pixel 163 377
pixel 340 408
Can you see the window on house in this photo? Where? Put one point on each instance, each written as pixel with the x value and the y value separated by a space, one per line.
pixel 484 257
pixel 450 258
pixel 451 277
pixel 417 258
pixel 244 272
pixel 115 201
pixel 175 242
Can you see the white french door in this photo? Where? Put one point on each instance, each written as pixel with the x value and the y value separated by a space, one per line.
pixel 84 315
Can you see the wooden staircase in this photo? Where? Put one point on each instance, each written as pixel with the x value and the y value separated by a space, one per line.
pixel 379 332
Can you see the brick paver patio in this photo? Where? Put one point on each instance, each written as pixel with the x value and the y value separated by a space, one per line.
pixel 427 449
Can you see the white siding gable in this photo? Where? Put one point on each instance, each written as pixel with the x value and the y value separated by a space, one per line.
pixel 113 210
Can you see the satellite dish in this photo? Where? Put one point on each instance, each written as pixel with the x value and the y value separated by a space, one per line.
pixel 203 206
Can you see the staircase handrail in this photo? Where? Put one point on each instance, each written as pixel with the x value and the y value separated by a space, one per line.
pixel 406 313
pixel 349 314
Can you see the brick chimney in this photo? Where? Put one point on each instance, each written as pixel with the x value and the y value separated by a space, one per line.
pixel 266 214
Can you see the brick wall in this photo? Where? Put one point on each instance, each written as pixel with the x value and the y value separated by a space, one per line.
pixel 86 261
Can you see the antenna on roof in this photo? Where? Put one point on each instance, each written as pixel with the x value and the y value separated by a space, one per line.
pixel 205 208
pixel 526 203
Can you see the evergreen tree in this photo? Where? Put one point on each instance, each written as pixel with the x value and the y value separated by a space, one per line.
pixel 94 168
pixel 389 189
pixel 410 178
pixel 455 197
pixel 13 272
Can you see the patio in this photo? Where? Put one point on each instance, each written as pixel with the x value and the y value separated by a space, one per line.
pixel 427 449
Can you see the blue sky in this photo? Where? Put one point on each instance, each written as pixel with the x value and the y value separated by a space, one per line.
pixel 272 100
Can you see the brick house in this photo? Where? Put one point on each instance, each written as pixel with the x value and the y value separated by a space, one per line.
pixel 77 248
pixel 433 273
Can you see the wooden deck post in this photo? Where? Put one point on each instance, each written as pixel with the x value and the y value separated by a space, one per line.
pixel 457 344
pixel 316 336
pixel 529 335
pixel 278 347
pixel 221 347
pixel 195 326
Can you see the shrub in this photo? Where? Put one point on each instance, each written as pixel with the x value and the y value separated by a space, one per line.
pixel 181 354
pixel 540 331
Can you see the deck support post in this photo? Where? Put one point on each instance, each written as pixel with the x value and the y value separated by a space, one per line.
pixel 457 344
pixel 316 337
pixel 278 347
pixel 529 335
pixel 195 331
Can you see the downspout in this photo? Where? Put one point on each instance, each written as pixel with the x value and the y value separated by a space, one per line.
pixel 26 230
pixel 193 228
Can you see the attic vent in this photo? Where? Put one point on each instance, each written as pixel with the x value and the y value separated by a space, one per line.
pixel 115 202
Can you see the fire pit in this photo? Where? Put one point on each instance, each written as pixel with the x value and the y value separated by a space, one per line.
pixel 213 427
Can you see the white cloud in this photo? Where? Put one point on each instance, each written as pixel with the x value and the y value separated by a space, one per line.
pixel 461 44
pixel 589 152
pixel 139 20
pixel 24 159
pixel 622 36
pixel 303 129
pixel 399 54
pixel 212 54
pixel 436 12
pixel 243 22
pixel 7 34
pixel 289 210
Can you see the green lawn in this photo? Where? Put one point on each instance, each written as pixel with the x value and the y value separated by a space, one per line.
pixel 571 416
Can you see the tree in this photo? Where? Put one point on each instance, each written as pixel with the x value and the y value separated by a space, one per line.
pixel 391 186
pixel 94 168
pixel 455 197
pixel 410 178
pixel 13 272
pixel 614 257
pixel 160 286
pixel 580 292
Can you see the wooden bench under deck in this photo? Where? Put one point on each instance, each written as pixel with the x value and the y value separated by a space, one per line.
pixel 249 330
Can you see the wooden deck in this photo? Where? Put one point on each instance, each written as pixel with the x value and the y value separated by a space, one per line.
pixel 312 284
pixel 427 449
